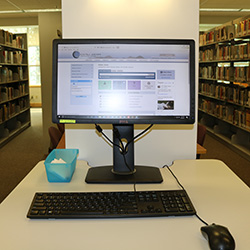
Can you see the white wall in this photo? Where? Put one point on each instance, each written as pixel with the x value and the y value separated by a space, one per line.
pixel 49 23
pixel 133 19
pixel 35 96
pixel 9 20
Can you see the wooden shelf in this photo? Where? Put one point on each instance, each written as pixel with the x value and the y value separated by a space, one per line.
pixel 241 150
pixel 224 91
pixel 13 134
pixel 14 93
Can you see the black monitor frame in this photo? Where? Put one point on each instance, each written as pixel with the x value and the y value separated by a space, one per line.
pixel 119 172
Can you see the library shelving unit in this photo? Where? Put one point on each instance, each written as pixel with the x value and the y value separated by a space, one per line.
pixel 14 85
pixel 224 83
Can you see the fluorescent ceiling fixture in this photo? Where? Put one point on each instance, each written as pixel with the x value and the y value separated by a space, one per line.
pixel 43 10
pixel 220 10
pixel 29 11
pixel 10 11
pixel 209 24
pixel 205 27
pixel 245 10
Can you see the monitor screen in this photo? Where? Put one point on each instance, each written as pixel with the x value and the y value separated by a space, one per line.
pixel 123 81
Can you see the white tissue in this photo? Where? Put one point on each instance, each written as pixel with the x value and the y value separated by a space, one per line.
pixel 58 161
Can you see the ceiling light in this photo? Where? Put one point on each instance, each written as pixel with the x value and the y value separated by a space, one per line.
pixel 205 27
pixel 10 11
pixel 43 10
pixel 29 11
pixel 220 10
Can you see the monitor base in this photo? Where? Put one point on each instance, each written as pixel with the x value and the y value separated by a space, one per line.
pixel 104 175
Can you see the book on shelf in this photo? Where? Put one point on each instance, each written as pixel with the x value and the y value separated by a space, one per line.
pixel 229 113
pixel 18 57
pixel 19 42
pixel 224 52
pixel 233 93
pixel 20 73
pixel 14 86
pixel 11 57
pixel 13 40
pixel 23 103
pixel 242 27
pixel 241 74
pixel 5 112
pixel 248 26
pixel 226 73
pixel 248 120
pixel 1 114
pixel 22 89
pixel 18 109
pixel 16 92
pixel 10 93
pixel 221 33
pixel 217 34
pixel 220 92
pixel 248 98
pixel 8 38
pixel 3 94
pixel 7 74
pixel 240 119
pixel 3 56
pixel 206 55
pixel 240 51
pixel 233 29
pixel 207 72
pixel 2 41
pixel 225 112
pixel 207 38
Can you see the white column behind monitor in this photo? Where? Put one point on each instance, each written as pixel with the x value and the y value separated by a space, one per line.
pixel 167 19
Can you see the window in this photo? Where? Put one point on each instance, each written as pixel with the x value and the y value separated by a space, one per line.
pixel 33 51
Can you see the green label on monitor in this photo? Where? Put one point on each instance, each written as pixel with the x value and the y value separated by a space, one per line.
pixel 67 121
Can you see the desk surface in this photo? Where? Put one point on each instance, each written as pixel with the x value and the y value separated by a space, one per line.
pixel 217 194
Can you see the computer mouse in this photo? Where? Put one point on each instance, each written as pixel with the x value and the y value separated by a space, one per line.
pixel 218 237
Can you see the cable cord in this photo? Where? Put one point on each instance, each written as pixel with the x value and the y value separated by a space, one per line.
pixel 140 134
pixel 121 146
pixel 166 166
pixel 99 129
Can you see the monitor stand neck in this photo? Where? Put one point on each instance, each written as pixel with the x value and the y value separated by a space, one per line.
pixel 123 170
pixel 123 156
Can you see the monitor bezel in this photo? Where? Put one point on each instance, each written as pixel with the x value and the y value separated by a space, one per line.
pixel 140 119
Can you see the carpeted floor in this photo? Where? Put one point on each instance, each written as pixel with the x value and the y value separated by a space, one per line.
pixel 19 156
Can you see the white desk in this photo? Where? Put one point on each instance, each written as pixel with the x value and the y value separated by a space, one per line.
pixel 217 194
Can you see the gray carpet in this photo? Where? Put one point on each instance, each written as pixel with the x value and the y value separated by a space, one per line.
pixel 19 156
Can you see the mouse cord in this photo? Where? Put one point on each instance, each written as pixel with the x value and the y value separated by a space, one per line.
pixel 166 166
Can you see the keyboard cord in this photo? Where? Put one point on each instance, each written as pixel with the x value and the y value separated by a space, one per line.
pixel 166 166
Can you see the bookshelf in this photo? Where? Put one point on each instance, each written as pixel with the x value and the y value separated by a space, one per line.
pixel 224 83
pixel 14 85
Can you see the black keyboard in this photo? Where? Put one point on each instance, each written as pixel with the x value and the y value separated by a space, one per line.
pixel 110 205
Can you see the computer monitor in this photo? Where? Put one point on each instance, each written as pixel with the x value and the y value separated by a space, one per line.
pixel 123 82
